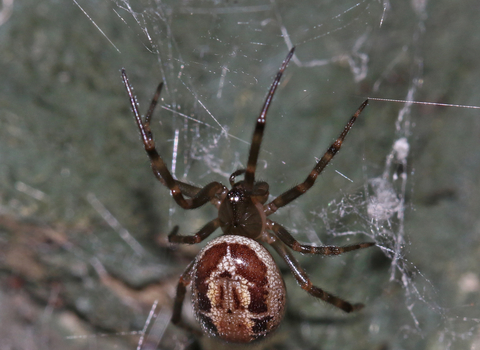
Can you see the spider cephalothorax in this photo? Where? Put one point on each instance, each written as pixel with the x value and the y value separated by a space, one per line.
pixel 238 293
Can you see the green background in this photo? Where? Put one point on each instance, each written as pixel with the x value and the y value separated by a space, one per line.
pixel 69 151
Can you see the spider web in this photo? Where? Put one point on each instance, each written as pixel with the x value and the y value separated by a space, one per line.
pixel 406 177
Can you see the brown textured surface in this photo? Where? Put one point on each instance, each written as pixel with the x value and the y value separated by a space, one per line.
pixel 239 282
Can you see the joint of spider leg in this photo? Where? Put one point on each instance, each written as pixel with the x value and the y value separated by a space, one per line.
pixel 270 208
pixel 196 239
pixel 147 132
pixel 222 192
pixel 307 285
pixel 335 147
pixel 176 191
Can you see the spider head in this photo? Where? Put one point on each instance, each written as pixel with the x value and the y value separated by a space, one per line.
pixel 241 211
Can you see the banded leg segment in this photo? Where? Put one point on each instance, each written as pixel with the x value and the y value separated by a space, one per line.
pixel 159 167
pixel 260 127
pixel 304 281
pixel 300 189
pixel 291 242
pixel 187 189
pixel 203 233
pixel 183 282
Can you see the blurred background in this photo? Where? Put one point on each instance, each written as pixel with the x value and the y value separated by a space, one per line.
pixel 84 257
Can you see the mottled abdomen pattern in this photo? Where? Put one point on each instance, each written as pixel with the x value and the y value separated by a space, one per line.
pixel 238 292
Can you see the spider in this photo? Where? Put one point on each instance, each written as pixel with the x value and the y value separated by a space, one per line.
pixel 238 293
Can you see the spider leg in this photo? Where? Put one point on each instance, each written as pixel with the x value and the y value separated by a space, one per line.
pixel 300 189
pixel 304 281
pixel 287 238
pixel 235 174
pixel 183 282
pixel 187 189
pixel 159 167
pixel 203 233
pixel 260 126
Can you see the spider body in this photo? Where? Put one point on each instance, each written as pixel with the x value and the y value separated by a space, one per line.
pixel 238 293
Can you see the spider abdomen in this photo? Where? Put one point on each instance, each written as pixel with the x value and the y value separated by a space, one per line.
pixel 238 292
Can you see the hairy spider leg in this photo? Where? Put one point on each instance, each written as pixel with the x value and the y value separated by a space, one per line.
pixel 260 127
pixel 159 168
pixel 183 282
pixel 201 234
pixel 291 242
pixel 304 281
pixel 300 189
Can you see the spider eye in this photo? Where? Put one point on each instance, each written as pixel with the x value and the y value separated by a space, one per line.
pixel 236 195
